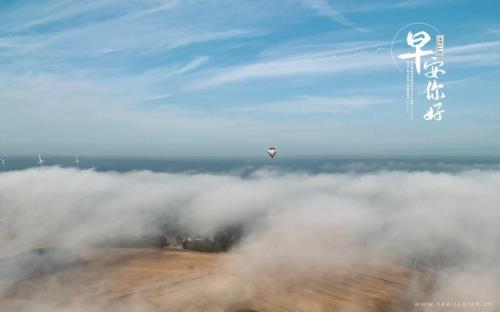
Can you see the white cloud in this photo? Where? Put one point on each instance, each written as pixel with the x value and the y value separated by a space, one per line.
pixel 193 64
pixel 303 64
pixel 297 222
pixel 474 47
pixel 340 61
pixel 324 8
pixel 308 104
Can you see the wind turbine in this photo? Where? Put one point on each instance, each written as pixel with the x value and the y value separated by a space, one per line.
pixel 3 164
pixel 77 162
pixel 40 161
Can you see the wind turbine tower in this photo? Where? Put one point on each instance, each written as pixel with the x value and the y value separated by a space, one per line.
pixel 77 162
pixel 40 161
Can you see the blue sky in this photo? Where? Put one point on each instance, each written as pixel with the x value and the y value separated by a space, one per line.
pixel 209 78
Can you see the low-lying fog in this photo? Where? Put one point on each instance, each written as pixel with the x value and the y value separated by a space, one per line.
pixel 446 222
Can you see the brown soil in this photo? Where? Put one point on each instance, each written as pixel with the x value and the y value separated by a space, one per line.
pixel 120 279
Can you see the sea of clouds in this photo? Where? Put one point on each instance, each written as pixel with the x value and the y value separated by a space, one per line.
pixel 448 222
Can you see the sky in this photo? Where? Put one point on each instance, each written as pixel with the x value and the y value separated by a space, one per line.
pixel 230 78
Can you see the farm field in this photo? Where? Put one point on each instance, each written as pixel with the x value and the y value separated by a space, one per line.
pixel 124 279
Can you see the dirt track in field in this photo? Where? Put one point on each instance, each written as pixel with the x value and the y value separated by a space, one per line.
pixel 167 280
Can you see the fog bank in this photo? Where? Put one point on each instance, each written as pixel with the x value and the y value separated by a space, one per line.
pixel 308 222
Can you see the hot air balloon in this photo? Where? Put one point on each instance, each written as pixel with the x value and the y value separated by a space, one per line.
pixel 271 151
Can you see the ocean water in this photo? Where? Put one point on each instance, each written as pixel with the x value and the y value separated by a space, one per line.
pixel 245 166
